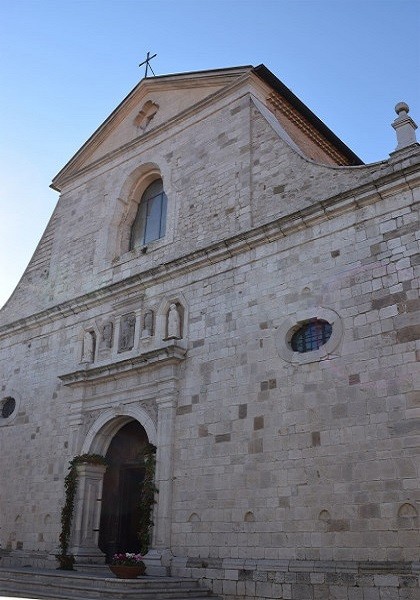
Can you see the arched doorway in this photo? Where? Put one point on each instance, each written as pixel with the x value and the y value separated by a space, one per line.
pixel 121 490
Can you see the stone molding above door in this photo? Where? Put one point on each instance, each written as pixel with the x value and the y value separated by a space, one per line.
pixel 171 352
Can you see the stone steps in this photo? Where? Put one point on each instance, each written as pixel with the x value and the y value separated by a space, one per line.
pixel 74 585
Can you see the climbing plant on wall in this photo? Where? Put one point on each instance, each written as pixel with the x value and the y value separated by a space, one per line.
pixel 147 498
pixel 66 561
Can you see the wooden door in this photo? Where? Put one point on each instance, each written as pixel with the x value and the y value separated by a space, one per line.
pixel 121 491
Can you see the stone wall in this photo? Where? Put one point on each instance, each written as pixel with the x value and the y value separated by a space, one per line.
pixel 306 459
pixel 289 475
pixel 224 173
pixel 304 580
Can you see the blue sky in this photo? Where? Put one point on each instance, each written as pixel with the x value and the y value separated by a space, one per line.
pixel 66 64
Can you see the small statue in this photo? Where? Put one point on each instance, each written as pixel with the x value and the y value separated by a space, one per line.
pixel 89 340
pixel 174 322
pixel 147 330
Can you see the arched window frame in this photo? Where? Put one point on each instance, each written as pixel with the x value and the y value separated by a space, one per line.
pixel 117 244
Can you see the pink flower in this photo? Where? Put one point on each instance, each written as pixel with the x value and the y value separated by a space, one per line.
pixel 127 559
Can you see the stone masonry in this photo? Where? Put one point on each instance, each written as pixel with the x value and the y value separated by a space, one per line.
pixel 281 474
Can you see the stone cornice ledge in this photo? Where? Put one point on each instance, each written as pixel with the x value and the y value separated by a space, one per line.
pixel 171 354
pixel 407 178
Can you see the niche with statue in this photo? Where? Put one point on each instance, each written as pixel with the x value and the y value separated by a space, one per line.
pixel 174 322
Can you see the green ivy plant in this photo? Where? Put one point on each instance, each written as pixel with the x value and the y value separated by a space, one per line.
pixel 147 498
pixel 65 560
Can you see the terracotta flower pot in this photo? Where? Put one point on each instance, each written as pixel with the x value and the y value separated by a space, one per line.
pixel 128 571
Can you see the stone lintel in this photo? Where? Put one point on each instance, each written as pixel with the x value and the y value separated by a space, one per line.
pixel 171 353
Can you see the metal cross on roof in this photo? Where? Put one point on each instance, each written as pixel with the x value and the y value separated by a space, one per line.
pixel 146 62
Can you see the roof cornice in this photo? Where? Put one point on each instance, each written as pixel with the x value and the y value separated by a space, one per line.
pixel 275 83
pixel 230 79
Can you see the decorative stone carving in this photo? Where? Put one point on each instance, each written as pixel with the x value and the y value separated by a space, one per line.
pixel 146 114
pixel 174 323
pixel 148 319
pixel 127 329
pixel 89 342
pixel 107 334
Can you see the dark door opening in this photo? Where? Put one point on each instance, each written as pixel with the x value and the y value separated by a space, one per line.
pixel 121 491
pixel 131 479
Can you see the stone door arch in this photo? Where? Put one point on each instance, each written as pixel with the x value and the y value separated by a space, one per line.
pixel 105 427
pixel 88 502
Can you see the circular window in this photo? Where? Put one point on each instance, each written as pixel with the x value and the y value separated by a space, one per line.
pixel 8 407
pixel 311 335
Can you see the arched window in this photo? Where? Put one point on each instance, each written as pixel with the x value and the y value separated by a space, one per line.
pixel 311 335
pixel 150 221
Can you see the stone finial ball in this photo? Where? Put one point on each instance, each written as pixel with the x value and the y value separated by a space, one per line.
pixel 401 106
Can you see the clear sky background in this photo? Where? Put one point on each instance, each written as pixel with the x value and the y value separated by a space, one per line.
pixel 66 64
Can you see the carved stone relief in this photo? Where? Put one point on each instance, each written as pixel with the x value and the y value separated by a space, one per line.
pixel 107 336
pixel 127 330
pixel 146 114
pixel 150 407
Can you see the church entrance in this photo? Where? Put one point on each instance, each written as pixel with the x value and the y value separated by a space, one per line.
pixel 121 491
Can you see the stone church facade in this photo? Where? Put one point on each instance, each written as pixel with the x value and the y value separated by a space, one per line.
pixel 224 279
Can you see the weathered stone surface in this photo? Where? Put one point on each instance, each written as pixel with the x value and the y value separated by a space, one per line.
pixel 281 474
pixel 408 334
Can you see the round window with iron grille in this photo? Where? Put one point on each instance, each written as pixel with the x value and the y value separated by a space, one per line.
pixel 8 406
pixel 311 336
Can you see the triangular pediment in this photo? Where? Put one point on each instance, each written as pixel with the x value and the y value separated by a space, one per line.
pixel 151 104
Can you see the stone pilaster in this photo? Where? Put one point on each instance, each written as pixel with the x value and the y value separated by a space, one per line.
pixel 158 557
pixel 87 514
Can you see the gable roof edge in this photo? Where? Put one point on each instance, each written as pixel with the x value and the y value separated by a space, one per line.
pixel 232 71
pixel 266 75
